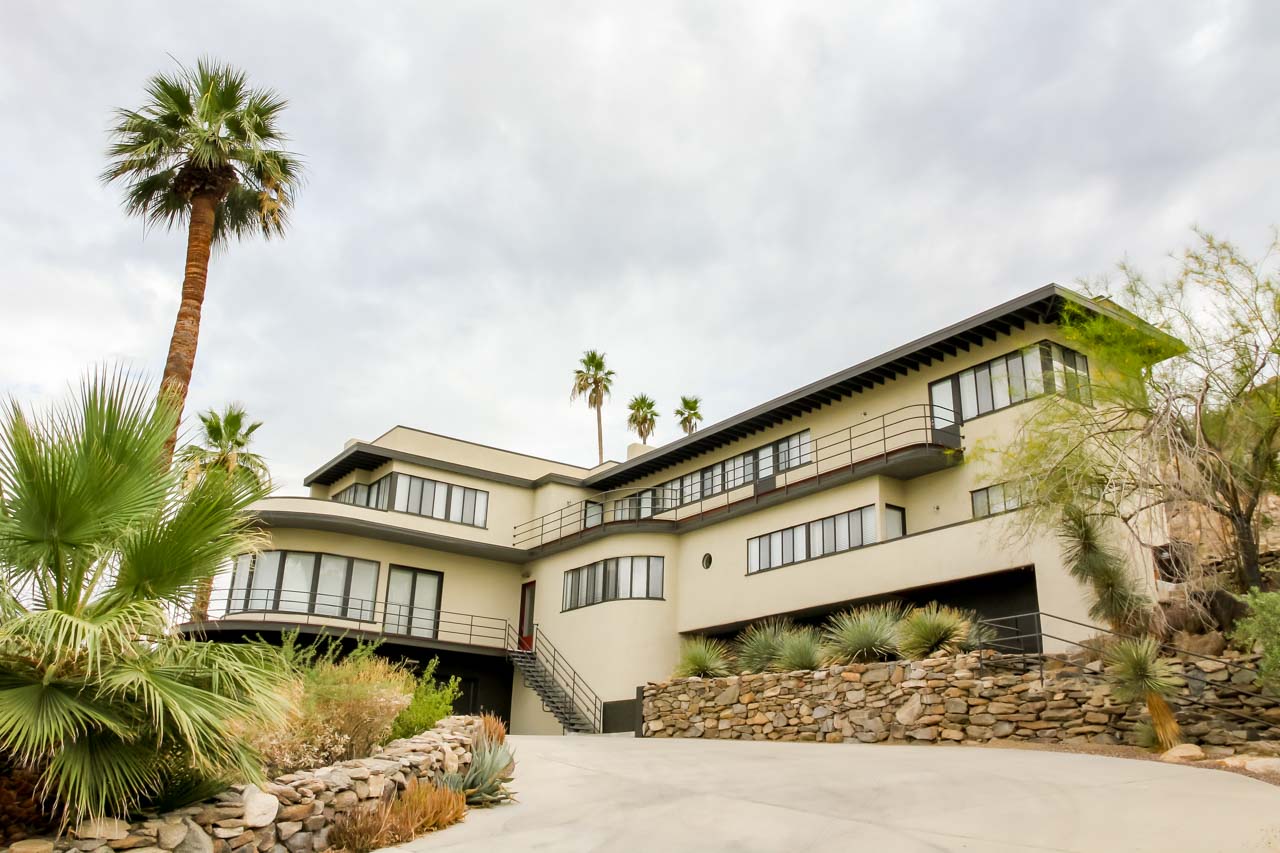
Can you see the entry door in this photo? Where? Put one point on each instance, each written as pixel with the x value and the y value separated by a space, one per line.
pixel 526 615
pixel 413 602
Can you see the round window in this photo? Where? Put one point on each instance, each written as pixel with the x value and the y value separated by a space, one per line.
pixel 706 561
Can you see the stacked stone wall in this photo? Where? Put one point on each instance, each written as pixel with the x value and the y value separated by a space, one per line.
pixel 961 699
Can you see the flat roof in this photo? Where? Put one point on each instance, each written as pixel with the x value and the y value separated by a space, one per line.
pixel 1038 306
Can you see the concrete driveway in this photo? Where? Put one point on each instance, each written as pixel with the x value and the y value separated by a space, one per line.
pixel 617 793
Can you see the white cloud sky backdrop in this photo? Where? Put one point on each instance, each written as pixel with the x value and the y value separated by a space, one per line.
pixel 729 199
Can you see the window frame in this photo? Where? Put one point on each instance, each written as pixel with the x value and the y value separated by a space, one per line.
pixel 312 591
pixel 973 388
pixel 602 581
pixel 814 536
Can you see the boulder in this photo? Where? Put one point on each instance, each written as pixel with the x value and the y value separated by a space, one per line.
pixel 911 711
pixel 1211 644
pixel 32 845
pixel 260 808
pixel 1183 752
pixel 195 841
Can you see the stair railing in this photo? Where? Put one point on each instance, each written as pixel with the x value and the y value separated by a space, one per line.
pixel 1015 641
pixel 585 701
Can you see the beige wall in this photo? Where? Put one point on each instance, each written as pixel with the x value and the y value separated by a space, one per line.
pixel 476 455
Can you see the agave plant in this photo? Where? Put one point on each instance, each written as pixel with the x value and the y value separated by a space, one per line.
pixel 484 783
pixel 704 657
pixel 99 544
pixel 801 648
pixel 864 634
pixel 758 645
pixel 934 627
pixel 1138 673
pixel 979 635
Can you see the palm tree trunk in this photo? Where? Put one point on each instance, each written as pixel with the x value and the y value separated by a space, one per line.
pixel 600 434
pixel 182 345
pixel 186 329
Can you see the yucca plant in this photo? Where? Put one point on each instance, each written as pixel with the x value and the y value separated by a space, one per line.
pixel 484 782
pixel 1093 561
pixel 931 628
pixel 704 657
pixel 758 645
pixel 979 635
pixel 863 634
pixel 1138 673
pixel 801 648
pixel 99 544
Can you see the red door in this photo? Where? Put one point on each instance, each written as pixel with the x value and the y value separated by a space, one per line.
pixel 526 616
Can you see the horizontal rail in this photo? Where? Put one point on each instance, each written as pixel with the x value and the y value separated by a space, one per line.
pixel 310 607
pixel 586 700
pixel 920 424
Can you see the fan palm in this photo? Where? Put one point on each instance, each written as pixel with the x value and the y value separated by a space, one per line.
pixel 204 151
pixel 688 414
pixel 98 545
pixel 593 380
pixel 643 416
pixel 224 443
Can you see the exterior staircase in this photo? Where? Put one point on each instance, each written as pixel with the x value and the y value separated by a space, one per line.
pixel 563 692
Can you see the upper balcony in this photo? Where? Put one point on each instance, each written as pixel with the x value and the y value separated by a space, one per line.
pixel 908 442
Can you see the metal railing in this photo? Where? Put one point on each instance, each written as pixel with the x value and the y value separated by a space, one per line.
pixel 872 440
pixel 1020 640
pixel 309 607
pixel 587 702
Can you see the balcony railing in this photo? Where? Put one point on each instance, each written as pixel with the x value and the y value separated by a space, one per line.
pixel 307 607
pixel 873 440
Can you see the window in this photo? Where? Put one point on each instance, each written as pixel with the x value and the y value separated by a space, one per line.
pixel 374 495
pixel 829 535
pixel 304 582
pixel 895 521
pixel 1010 379
pixel 413 602
pixel 1001 497
pixel 611 580
pixel 445 501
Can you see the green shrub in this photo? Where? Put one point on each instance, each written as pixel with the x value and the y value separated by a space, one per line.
pixel 932 628
pixel 801 648
pixel 1262 626
pixel 432 702
pixel 757 647
pixel 705 657
pixel 979 635
pixel 864 634
pixel 1138 673
pixel 484 782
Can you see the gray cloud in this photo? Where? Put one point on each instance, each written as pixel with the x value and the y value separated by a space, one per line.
pixel 730 199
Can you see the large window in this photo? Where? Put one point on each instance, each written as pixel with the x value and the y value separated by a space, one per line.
pixel 776 457
pixel 831 535
pixel 413 602
pixel 304 582
pixel 1042 368
pixel 613 579
pixel 1001 497
pixel 373 495
pixel 444 501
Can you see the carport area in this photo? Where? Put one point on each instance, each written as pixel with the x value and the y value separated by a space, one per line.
pixel 617 793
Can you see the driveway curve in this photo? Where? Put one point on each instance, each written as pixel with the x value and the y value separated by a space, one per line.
pixel 617 793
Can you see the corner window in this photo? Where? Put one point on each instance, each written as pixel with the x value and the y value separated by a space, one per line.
pixel 895 521
pixel 443 501
pixel 611 580
pixel 1045 367
pixel 304 582
pixel 995 499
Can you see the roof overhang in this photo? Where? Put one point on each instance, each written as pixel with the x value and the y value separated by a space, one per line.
pixel 362 456
pixel 1039 306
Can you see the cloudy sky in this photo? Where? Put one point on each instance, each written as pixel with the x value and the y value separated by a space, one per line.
pixel 730 199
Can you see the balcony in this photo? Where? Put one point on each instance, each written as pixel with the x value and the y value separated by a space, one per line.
pixel 246 609
pixel 908 442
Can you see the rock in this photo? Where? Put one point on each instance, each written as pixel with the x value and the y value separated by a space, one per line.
pixel 108 828
pixel 299 842
pixel 1263 765
pixel 729 695
pixel 32 845
pixel 129 842
pixel 288 828
pixel 1210 665
pixel 260 808
pixel 911 711
pixel 927 733
pixel 195 841
pixel 170 835
pixel 1183 752
pixel 302 811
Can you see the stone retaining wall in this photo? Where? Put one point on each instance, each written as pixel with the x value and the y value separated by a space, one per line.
pixel 944 699
pixel 289 815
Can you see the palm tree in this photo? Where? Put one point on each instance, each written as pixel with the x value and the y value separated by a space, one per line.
pixel 224 443
pixel 98 546
pixel 204 151
pixel 223 446
pixel 594 381
pixel 643 417
pixel 688 414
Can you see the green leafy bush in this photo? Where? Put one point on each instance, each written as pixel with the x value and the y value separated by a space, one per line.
pixel 864 634
pixel 432 702
pixel 705 657
pixel 1262 626
pixel 934 627
pixel 98 695
pixel 758 645
pixel 801 648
